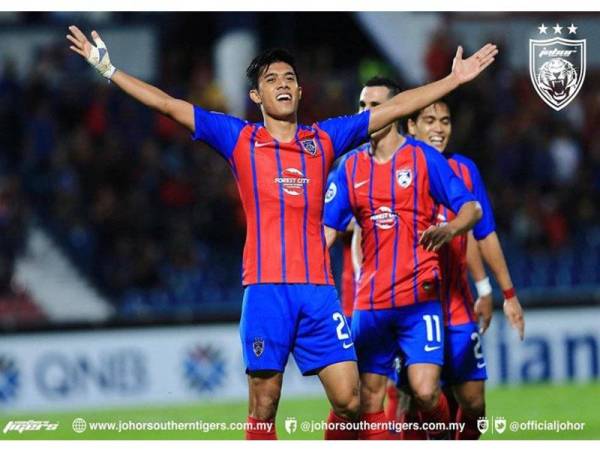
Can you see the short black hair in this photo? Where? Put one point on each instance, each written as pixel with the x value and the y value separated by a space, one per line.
pixel 262 62
pixel 415 116
pixel 393 88
pixel 377 80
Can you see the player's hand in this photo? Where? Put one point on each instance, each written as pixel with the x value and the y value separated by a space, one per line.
pixel 97 55
pixel 436 236
pixel 484 308
pixel 514 314
pixel 466 69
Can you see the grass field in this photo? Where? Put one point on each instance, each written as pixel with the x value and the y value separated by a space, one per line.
pixel 575 403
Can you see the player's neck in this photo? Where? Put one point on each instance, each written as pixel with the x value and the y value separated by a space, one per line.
pixel 383 149
pixel 284 130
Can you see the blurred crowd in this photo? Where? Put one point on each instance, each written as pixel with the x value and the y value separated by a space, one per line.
pixel 155 221
pixel 542 168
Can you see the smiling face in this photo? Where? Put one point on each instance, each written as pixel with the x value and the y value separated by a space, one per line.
pixel 432 126
pixel 278 92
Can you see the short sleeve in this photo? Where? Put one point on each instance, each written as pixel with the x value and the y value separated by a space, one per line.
pixel 347 132
pixel 445 187
pixel 218 130
pixel 487 224
pixel 337 212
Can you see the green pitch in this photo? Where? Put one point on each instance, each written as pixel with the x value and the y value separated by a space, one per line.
pixel 576 403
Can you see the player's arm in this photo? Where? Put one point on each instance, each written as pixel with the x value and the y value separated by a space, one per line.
pixel 489 246
pixel 492 253
pixel 407 102
pixel 179 110
pixel 436 236
pixel 449 190
pixel 484 306
pixel 356 250
pixel 331 234
pixel 337 211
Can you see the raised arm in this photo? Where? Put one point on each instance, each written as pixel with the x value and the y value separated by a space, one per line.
pixel 407 102
pixel 179 110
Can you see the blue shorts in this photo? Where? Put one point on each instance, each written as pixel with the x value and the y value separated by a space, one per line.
pixel 463 359
pixel 349 321
pixel 303 319
pixel 394 372
pixel 416 332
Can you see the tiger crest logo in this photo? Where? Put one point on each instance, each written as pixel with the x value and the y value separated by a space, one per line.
pixel 557 66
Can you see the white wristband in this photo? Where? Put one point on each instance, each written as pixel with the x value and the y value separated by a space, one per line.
pixel 483 287
pixel 100 60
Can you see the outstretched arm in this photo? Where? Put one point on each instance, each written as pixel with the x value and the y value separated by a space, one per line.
pixel 407 102
pixel 179 110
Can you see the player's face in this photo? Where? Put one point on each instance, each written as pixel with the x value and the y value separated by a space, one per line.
pixel 370 97
pixel 278 93
pixel 433 126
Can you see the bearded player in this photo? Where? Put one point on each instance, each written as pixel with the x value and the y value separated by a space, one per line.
pixel 290 304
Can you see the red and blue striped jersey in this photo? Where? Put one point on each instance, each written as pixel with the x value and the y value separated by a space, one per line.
pixel 394 203
pixel 347 279
pixel 281 185
pixel 457 298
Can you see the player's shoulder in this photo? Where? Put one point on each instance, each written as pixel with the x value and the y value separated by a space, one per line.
pixel 360 152
pixel 465 160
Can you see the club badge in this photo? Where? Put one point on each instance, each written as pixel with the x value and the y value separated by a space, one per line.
pixel 557 65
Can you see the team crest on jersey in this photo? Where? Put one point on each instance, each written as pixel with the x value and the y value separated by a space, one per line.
pixel 331 191
pixel 309 146
pixel 404 177
pixel 258 346
pixel 557 66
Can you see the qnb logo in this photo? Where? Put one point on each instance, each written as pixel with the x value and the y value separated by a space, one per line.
pixel 204 368
pixel 384 218
pixel 9 379
pixel 293 181
pixel 62 375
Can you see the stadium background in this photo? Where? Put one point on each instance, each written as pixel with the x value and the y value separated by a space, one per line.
pixel 120 240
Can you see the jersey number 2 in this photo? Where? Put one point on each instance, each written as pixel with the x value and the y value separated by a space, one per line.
pixel 341 334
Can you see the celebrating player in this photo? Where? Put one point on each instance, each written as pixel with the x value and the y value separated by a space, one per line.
pixel 280 167
pixel 392 186
pixel 464 365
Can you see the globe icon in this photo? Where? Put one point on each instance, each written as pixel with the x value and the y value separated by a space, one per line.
pixel 79 425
